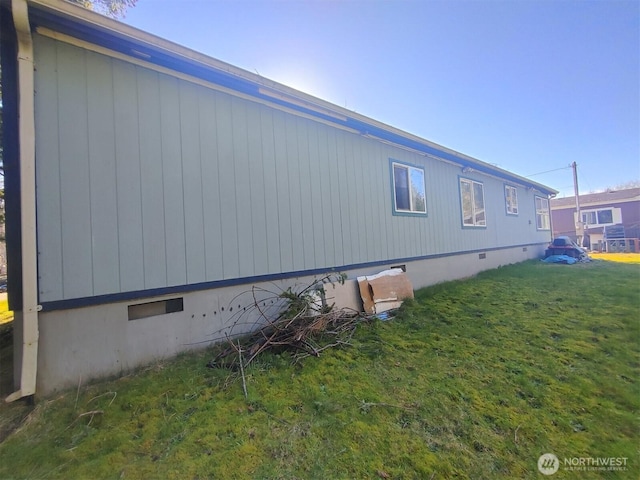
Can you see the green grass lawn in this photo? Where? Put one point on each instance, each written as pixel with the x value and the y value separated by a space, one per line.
pixel 473 379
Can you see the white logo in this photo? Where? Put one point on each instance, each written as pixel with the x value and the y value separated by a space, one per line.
pixel 548 464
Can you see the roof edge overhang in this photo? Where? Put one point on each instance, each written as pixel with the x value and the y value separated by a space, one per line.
pixel 595 204
pixel 92 27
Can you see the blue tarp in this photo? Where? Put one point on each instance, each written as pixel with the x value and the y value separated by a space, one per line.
pixel 560 259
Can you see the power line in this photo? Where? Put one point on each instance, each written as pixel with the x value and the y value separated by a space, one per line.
pixel 548 171
pixel 583 181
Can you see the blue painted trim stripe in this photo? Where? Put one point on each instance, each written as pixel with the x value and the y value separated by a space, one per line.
pixel 156 292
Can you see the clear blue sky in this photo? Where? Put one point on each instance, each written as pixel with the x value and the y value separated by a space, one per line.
pixel 530 86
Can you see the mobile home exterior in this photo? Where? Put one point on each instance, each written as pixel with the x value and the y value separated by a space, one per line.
pixel 161 183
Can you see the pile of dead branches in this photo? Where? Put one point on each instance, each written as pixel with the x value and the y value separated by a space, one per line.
pixel 303 325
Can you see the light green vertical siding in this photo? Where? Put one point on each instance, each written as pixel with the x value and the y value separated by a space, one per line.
pixel 257 187
pixel 270 189
pixel 47 145
pixel 172 184
pixel 285 227
pixel 128 181
pixel 151 194
pixel 333 201
pixel 149 181
pixel 227 179
pixel 75 193
pixel 208 131
pixel 102 171
pixel 192 183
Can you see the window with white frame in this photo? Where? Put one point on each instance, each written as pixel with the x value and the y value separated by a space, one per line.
pixel 511 199
pixel 589 218
pixel 408 189
pixel 598 217
pixel 542 214
pixel 472 200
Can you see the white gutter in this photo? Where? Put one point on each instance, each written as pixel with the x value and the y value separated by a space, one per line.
pixel 26 129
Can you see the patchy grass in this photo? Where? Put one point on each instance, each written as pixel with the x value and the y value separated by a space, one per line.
pixel 473 379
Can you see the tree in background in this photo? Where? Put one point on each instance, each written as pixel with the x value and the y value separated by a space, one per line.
pixel 620 186
pixel 110 8
pixel 626 185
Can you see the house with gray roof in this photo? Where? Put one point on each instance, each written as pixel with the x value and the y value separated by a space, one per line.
pixel 611 215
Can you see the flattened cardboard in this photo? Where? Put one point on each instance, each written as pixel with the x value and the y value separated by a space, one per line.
pixel 345 296
pixel 385 290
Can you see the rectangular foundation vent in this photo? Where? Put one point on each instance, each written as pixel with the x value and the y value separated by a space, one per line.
pixel 152 309
pixel 482 256
pixel 524 249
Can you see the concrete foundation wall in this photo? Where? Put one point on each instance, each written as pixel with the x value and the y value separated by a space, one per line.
pixel 443 269
pixel 81 344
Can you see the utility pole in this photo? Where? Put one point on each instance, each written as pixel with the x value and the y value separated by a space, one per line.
pixel 579 223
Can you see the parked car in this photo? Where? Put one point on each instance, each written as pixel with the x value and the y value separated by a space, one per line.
pixel 565 246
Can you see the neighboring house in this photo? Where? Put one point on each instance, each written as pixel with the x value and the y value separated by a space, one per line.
pixel 614 213
pixel 157 184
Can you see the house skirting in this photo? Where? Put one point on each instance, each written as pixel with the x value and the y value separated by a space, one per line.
pixel 81 344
